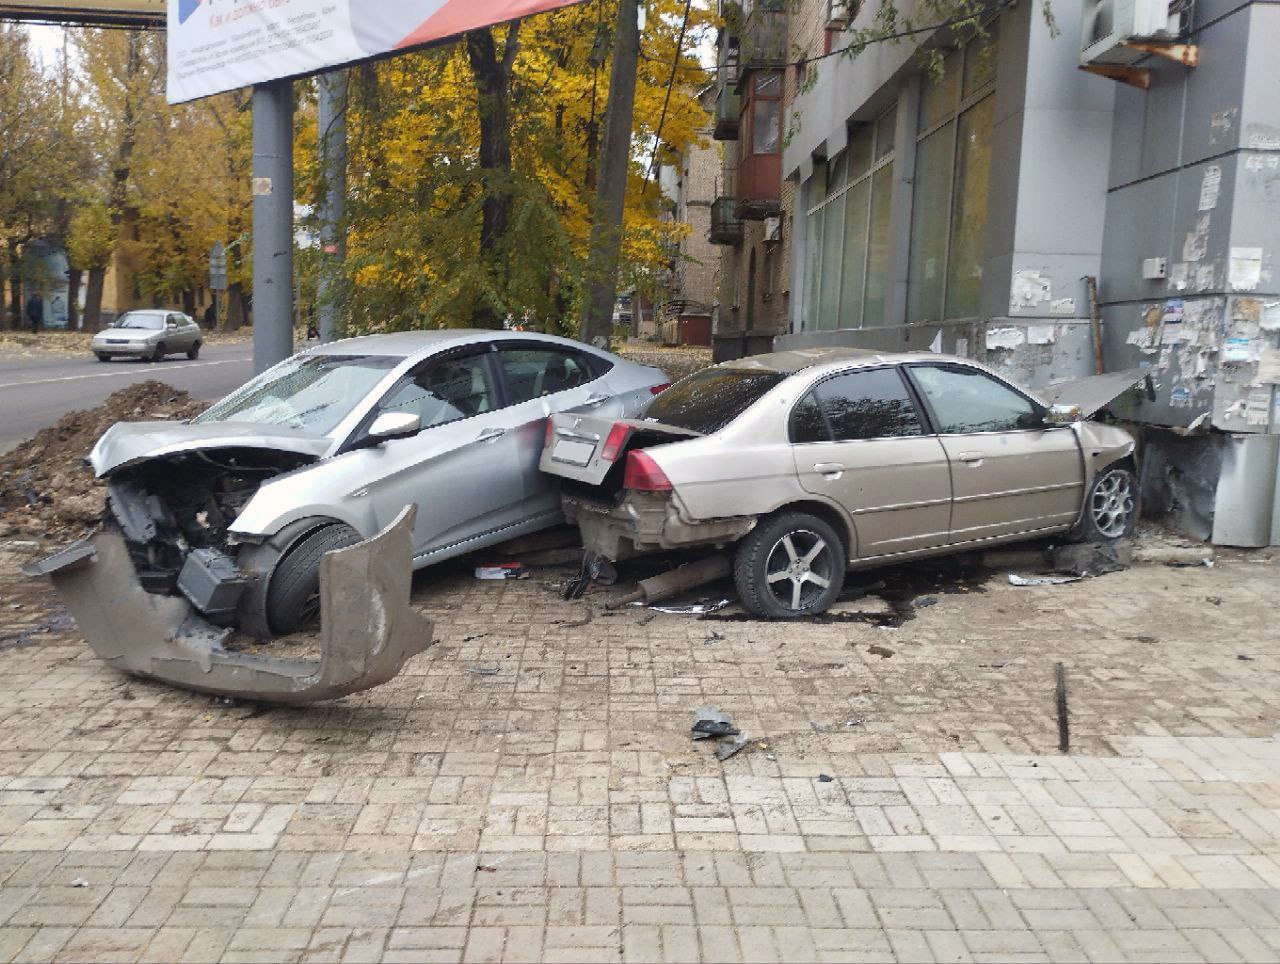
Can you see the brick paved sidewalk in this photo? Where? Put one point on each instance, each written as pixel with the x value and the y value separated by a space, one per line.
pixel 557 810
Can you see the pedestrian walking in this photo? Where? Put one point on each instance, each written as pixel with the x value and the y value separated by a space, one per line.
pixel 35 311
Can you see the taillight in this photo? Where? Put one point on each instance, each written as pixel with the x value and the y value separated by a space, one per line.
pixel 659 389
pixel 551 433
pixel 642 473
pixel 614 442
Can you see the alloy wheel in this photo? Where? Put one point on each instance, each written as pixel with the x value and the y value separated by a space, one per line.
pixel 798 568
pixel 1112 503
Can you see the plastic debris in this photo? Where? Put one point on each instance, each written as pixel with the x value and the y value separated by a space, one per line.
pixel 505 570
pixel 696 609
pixel 712 722
pixel 882 651
pixel 483 670
pixel 728 748
pixel 1016 580
pixel 824 778
pixel 79 882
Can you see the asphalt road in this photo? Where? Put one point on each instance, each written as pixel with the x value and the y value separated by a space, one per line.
pixel 36 392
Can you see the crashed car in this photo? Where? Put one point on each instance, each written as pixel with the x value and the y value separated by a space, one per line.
pixel 235 510
pixel 809 463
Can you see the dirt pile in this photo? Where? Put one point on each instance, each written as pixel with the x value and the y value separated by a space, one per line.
pixel 47 491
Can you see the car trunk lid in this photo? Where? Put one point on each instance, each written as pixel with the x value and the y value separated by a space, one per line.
pixel 585 448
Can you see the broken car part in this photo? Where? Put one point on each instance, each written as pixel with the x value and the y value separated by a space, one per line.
pixel 677 580
pixel 368 630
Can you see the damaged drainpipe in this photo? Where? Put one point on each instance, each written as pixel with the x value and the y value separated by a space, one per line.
pixel 1095 320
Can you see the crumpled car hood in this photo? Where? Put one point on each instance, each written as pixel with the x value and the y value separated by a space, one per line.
pixel 1095 392
pixel 127 443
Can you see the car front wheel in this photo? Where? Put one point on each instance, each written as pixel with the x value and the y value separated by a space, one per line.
pixel 194 351
pixel 1111 508
pixel 286 598
pixel 159 353
pixel 791 565
pixel 103 357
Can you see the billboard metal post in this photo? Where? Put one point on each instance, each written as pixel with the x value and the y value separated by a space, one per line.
pixel 272 223
pixel 332 123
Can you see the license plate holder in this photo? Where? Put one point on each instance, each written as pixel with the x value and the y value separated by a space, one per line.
pixel 573 451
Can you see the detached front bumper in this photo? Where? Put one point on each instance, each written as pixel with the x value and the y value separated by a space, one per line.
pixel 646 522
pixel 368 629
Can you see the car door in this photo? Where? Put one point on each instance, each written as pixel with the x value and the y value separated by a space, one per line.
pixel 175 336
pixel 1010 472
pixel 463 468
pixel 859 439
pixel 541 380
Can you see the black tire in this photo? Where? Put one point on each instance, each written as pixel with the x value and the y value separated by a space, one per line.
pixel 292 601
pixel 779 546
pixel 194 351
pixel 1111 507
pixel 159 353
pixel 102 357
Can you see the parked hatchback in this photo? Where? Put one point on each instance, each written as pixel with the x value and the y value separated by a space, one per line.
pixel 148 334
pixel 235 509
pixel 811 462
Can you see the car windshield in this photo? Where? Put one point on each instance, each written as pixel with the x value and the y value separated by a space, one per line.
pixel 309 392
pixel 708 400
pixel 146 320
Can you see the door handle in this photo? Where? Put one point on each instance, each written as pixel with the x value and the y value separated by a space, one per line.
pixel 491 434
pixel 831 470
pixel 973 458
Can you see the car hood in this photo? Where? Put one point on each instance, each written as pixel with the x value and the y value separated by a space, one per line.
pixel 1095 392
pixel 127 443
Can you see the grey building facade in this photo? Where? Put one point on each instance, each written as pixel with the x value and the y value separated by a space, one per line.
pixel 963 213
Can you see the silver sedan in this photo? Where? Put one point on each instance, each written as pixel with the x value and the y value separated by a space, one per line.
pixel 236 509
pixel 149 334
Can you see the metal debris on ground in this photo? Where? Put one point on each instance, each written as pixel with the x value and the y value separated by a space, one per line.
pixel 695 609
pixel 882 651
pixel 1016 580
pixel 1091 558
pixel 924 602
pixel 825 778
pixel 483 670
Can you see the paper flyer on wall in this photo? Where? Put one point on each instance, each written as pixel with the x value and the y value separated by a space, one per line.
pixel 220 45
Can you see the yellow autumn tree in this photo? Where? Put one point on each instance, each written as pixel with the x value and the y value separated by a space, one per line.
pixel 449 226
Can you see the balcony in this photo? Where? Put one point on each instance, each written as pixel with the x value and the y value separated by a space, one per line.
pixel 759 187
pixel 725 226
pixel 763 40
pixel 728 113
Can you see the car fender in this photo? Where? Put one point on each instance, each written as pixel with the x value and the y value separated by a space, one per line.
pixel 1100 445
pixel 287 499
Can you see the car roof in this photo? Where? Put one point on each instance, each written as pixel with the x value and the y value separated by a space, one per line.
pixel 797 360
pixel 404 344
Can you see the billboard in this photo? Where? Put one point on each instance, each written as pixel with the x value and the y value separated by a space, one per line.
pixel 220 45
pixel 104 13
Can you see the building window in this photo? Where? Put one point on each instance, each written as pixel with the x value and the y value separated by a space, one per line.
pixel 949 202
pixel 849 231
pixel 763 110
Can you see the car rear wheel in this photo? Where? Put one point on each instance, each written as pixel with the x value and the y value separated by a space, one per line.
pixel 159 353
pixel 194 351
pixel 791 565
pixel 1111 509
pixel 287 600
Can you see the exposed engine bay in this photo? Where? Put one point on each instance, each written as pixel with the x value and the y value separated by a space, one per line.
pixel 175 512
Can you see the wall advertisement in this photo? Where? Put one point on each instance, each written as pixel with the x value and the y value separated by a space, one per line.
pixel 220 45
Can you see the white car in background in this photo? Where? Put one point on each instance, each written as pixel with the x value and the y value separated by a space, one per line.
pixel 148 334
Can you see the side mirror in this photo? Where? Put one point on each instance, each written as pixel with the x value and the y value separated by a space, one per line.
pixel 1063 414
pixel 393 425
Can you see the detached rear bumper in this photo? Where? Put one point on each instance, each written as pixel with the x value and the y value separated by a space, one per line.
pixel 368 629
pixel 647 522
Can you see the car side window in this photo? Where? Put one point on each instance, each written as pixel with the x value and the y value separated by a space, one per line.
pixel 967 400
pixel 868 404
pixel 536 372
pixel 444 391
pixel 808 423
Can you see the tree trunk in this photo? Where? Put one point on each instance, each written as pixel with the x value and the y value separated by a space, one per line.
pixel 493 98
pixel 615 159
pixel 73 299
pixel 93 299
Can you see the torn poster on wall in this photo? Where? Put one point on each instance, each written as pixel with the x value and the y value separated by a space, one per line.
pixel 1268 366
pixel 1004 338
pixel 1173 312
pixel 1237 351
pixel 1245 272
pixel 1210 185
pixel 1029 289
pixel 1197 241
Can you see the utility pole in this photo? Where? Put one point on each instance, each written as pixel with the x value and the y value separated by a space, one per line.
pixel 332 121
pixel 611 186
pixel 272 223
